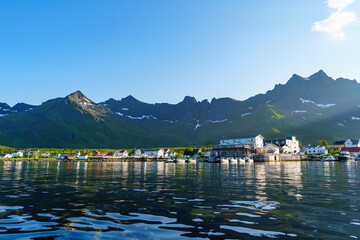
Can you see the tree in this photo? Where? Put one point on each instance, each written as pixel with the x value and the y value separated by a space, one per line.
pixel 323 143
pixel 188 152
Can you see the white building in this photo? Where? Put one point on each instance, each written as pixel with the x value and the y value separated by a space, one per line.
pixel 289 145
pixel 17 154
pixel 121 153
pixel 271 149
pixel 352 143
pixel 137 152
pixel 153 152
pixel 45 154
pixel 316 150
pixel 256 141
pixel 83 157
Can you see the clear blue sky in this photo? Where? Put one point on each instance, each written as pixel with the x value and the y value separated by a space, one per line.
pixel 160 51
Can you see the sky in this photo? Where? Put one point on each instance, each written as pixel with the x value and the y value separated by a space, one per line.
pixel 161 50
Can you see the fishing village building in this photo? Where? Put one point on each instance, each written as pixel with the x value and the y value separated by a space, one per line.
pixel 241 146
pixel 254 146
pixel 352 146
pixel 289 145
pixel 316 150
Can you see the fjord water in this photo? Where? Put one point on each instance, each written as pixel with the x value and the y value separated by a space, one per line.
pixel 149 200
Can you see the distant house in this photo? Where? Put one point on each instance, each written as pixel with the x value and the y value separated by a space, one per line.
pixel 271 149
pixel 96 153
pixel 208 153
pixel 352 143
pixel 6 155
pixel 153 153
pixel 83 157
pixel 17 154
pixel 121 153
pixel 45 154
pixel 171 154
pixel 197 152
pixel 289 145
pixel 137 152
pixel 316 150
pixel 65 156
pixel 32 153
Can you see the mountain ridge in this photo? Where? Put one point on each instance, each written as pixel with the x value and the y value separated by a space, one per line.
pixel 312 108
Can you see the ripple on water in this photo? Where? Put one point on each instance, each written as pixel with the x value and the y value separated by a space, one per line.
pixel 6 208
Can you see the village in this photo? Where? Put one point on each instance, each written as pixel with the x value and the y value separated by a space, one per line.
pixel 251 147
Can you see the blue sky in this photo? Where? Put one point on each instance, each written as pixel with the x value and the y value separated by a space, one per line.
pixel 161 51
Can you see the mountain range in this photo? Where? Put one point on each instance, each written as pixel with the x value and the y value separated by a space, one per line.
pixel 312 108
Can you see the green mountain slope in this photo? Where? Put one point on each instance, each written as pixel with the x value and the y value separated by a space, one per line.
pixel 311 108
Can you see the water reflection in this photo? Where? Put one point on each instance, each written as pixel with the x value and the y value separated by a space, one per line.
pixel 147 200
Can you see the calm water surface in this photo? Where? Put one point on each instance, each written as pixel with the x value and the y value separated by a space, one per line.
pixel 73 200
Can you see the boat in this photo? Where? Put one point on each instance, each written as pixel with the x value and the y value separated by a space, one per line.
pixel 241 160
pixel 170 160
pixel 180 160
pixel 328 158
pixel 345 156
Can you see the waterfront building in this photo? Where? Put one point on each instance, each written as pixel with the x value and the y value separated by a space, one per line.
pixel 255 141
pixel 271 149
pixel 241 146
pixel 17 154
pixel 121 153
pixel 83 157
pixel 137 152
pixel 316 150
pixel 289 145
pixel 153 152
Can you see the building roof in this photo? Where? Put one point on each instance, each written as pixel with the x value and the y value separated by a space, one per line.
pixel 350 149
pixel 342 142
pixel 354 141
pixel 271 145
pixel 240 137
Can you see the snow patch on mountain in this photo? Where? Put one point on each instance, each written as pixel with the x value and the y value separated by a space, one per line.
pixel 341 125
pixel 318 104
pixel 197 125
pixel 299 111
pixel 142 117
pixel 306 101
pixel 119 113
pixel 125 109
pixel 3 115
pixel 326 105
pixel 218 121
pixel 245 114
pixel 355 118
pixel 169 121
